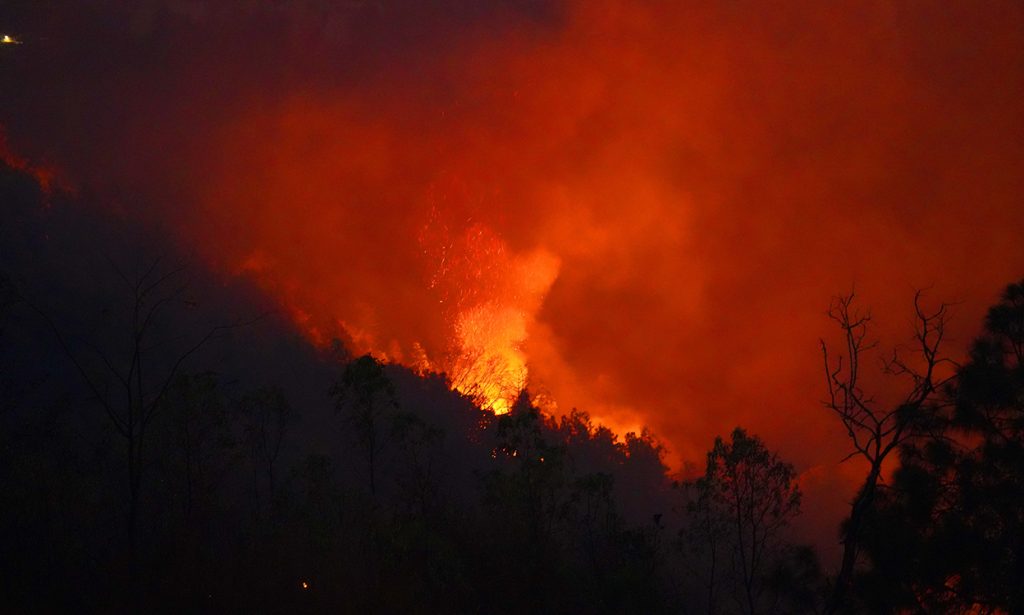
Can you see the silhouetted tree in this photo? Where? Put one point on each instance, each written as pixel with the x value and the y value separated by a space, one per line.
pixel 745 499
pixel 527 489
pixel 131 368
pixel 418 449
pixel 266 418
pixel 795 581
pixel 201 432
pixel 8 298
pixel 949 533
pixel 367 396
pixel 876 430
pixel 192 457
pixel 704 540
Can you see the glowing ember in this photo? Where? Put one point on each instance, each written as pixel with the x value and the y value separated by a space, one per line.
pixel 494 294
pixel 305 585
pixel 492 367
pixel 9 40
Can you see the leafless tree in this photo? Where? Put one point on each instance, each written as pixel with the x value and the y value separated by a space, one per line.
pixel 200 426
pixel 130 368
pixel 876 429
pixel 267 416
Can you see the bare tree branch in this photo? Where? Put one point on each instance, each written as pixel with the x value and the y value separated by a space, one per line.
pixel 875 431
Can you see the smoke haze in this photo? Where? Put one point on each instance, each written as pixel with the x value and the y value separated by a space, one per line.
pixel 639 209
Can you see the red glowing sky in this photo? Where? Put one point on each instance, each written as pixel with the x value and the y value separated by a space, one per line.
pixel 654 202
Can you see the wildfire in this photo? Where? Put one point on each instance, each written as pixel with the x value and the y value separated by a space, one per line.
pixel 9 40
pixel 492 366
pixel 429 273
pixel 494 296
pixel 482 293
pixel 46 176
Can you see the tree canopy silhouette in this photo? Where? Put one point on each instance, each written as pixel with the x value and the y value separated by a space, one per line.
pixel 948 534
pixel 877 429
pixel 743 502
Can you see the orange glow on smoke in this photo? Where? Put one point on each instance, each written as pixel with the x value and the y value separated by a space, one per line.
pixel 641 213
pixel 492 296
pixel 491 363
pixel 639 208
pixel 45 175
pixel 462 301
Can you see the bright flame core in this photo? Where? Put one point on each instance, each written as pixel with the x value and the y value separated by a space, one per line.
pixel 490 296
pixel 491 366
pixel 493 295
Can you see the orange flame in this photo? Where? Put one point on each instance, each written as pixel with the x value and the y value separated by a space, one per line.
pixel 46 176
pixel 483 294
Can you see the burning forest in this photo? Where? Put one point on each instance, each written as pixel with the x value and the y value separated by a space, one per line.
pixel 516 306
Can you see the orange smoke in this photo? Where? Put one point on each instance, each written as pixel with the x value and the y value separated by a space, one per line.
pixel 492 299
pixel 45 175
pixel 642 212
pixel 637 208
pixel 414 277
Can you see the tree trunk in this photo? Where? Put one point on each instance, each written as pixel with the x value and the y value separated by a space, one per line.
pixel 861 506
pixel 135 578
